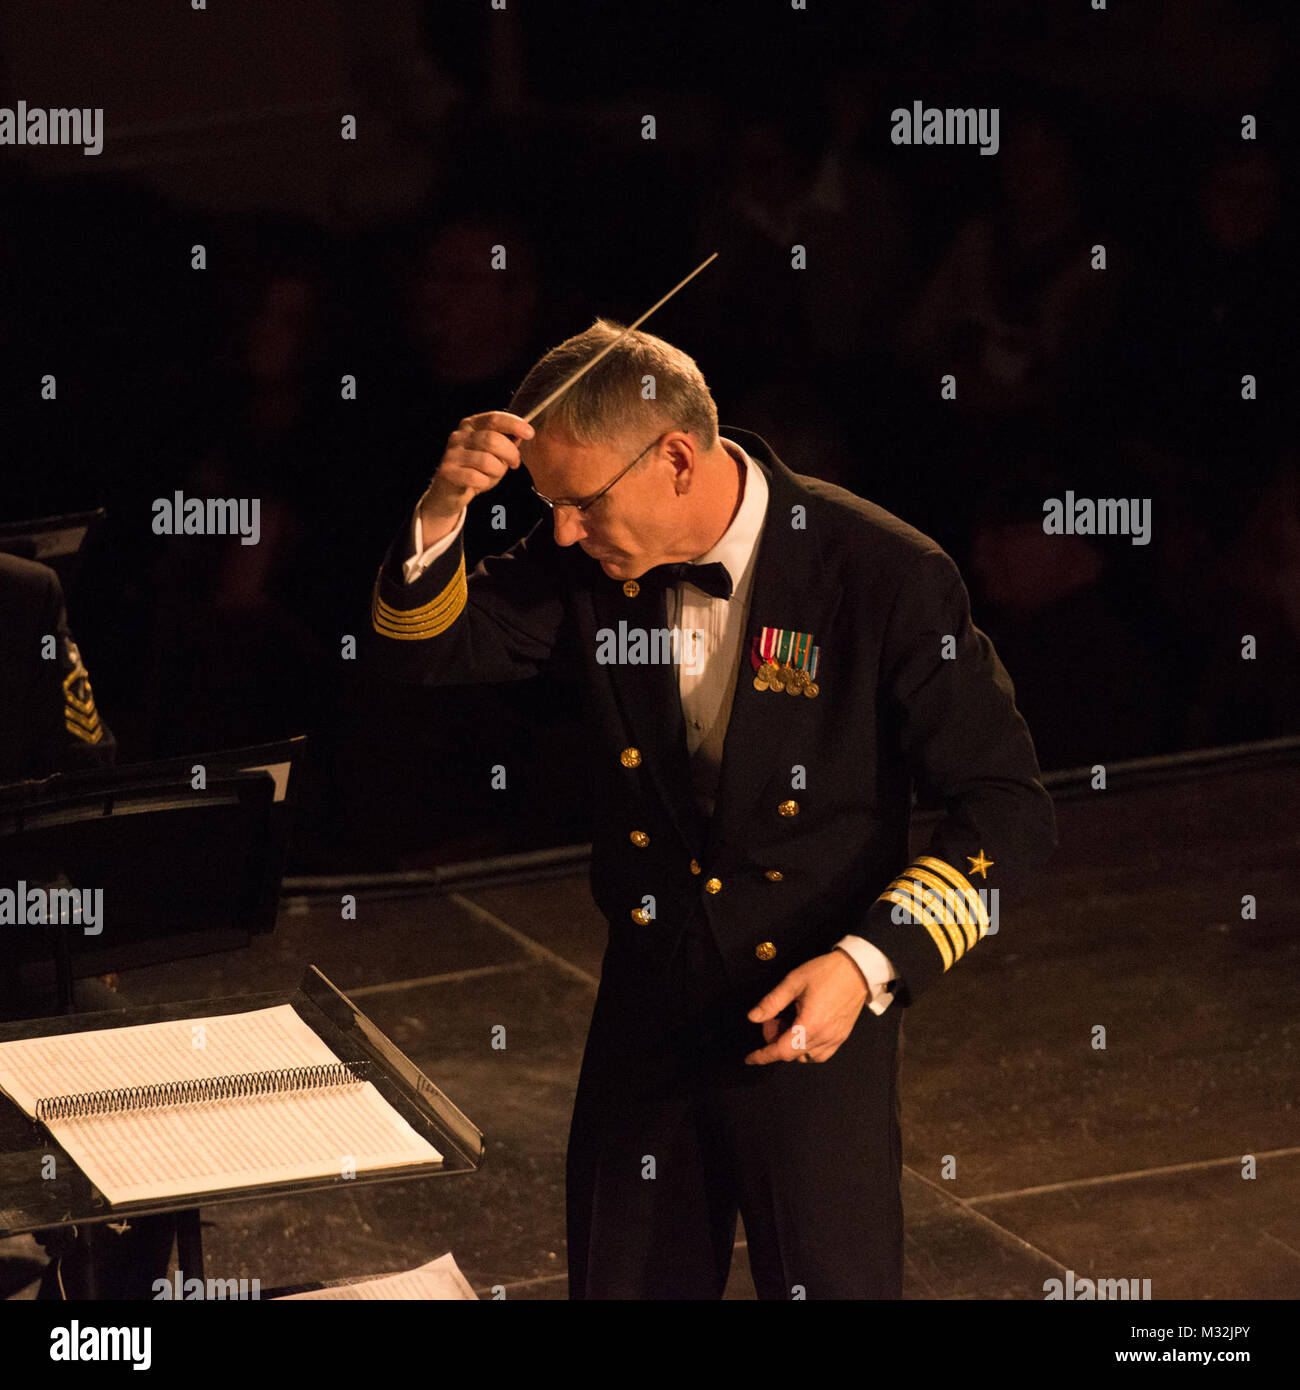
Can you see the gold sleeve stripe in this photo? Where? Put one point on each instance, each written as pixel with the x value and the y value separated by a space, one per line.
pixel 923 919
pixel 401 634
pixel 450 595
pixel 962 884
pixel 940 907
pixel 440 601
pixel 387 628
pixel 944 905
pixel 430 619
pixel 424 616
pixel 940 913
pixel 954 904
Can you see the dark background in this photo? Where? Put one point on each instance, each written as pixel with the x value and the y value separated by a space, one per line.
pixel 523 127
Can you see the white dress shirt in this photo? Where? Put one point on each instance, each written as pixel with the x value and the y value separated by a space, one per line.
pixel 713 630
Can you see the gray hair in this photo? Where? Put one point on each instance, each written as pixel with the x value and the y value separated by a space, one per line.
pixel 606 406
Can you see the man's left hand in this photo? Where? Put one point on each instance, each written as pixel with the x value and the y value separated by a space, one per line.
pixel 828 993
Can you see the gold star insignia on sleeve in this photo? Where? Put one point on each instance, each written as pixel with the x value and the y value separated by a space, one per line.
pixel 981 865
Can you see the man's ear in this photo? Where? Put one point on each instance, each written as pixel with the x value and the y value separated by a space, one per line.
pixel 684 461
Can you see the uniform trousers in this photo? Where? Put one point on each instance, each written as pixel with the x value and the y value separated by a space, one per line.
pixel 673 1136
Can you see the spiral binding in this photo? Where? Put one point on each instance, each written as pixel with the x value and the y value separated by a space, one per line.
pixel 235 1087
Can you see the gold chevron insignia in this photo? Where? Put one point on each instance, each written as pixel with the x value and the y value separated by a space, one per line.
pixel 429 619
pixel 80 716
pixel 87 734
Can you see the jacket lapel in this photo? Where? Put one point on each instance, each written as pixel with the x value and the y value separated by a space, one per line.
pixel 651 703
pixel 790 590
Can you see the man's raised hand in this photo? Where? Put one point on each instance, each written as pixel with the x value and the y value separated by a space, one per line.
pixel 479 452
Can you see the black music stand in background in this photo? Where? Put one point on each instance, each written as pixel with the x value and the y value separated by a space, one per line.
pixel 184 870
pixel 57 541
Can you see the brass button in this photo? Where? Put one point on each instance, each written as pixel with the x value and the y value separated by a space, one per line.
pixel 631 588
pixel 713 885
pixel 641 916
pixel 788 808
pixel 765 950
pixel 773 875
pixel 695 867
pixel 639 838
pixel 631 757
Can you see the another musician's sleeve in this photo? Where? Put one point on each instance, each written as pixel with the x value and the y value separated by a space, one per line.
pixel 68 731
pixel 969 750
pixel 502 622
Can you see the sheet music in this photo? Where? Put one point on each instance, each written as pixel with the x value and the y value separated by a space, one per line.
pixel 440 1279
pixel 146 1053
pixel 175 1150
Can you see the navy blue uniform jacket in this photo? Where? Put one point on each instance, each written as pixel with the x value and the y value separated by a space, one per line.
pixel 809 837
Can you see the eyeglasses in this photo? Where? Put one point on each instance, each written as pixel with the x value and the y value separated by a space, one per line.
pixel 583 507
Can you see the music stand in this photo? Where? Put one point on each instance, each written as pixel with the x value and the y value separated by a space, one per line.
pixel 57 541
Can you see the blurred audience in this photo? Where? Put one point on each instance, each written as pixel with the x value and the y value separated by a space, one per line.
pixel 1067 628
pixel 1125 381
pixel 1015 304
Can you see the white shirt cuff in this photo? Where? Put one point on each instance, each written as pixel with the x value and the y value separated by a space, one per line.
pixel 421 558
pixel 877 969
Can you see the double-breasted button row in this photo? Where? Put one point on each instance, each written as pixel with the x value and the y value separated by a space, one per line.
pixel 766 950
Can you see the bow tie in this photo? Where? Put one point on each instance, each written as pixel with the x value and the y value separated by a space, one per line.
pixel 713 579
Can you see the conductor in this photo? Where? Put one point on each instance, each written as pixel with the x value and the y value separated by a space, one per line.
pixel 769 667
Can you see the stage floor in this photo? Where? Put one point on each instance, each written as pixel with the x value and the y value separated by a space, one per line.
pixel 1123 1163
